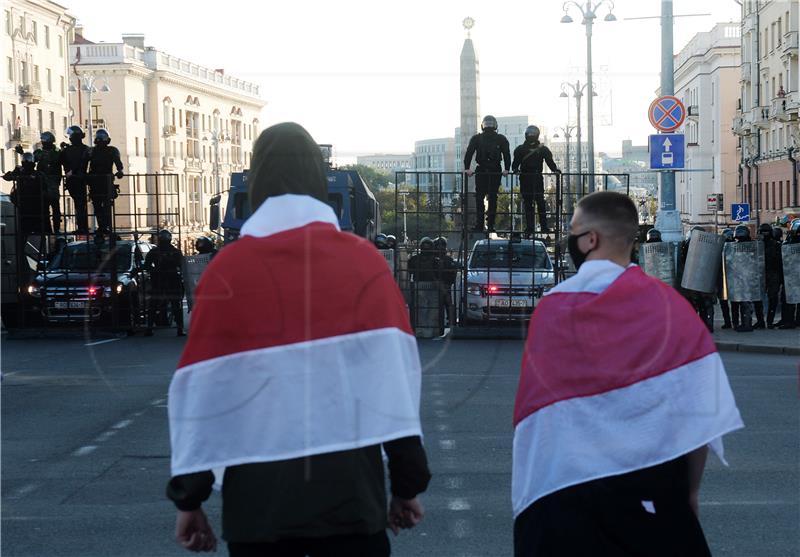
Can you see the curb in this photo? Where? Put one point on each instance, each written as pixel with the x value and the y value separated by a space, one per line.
pixel 723 346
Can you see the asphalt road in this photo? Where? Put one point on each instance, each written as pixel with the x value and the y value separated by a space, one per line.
pixel 85 452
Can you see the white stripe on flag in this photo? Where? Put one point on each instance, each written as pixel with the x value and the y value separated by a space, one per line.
pixel 645 424
pixel 362 388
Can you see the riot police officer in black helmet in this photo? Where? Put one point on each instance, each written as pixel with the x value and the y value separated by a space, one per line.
pixel 203 245
pixel 790 313
pixel 528 160
pixel 102 190
pixel 742 311
pixel 653 236
pixel 722 286
pixel 422 266
pixel 29 195
pixel 391 241
pixel 490 149
pixel 702 302
pixel 446 270
pixel 166 283
pixel 74 159
pixel 381 241
pixel 48 162
pixel 772 271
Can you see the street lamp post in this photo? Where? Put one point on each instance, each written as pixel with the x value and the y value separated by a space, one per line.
pixel 86 84
pixel 578 92
pixel 216 137
pixel 589 13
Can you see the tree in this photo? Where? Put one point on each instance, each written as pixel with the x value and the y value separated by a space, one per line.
pixel 375 180
pixel 422 218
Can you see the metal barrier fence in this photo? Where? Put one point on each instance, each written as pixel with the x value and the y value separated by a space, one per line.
pixel 59 269
pixel 484 277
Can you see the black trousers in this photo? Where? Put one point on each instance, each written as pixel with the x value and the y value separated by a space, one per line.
pixel 742 313
pixel 77 191
pixel 158 302
pixel 790 315
pixel 376 545
pixel 726 311
pixel 486 185
pixel 773 291
pixel 102 211
pixel 532 189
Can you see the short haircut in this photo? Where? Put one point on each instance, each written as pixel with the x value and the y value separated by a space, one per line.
pixel 613 214
pixel 286 159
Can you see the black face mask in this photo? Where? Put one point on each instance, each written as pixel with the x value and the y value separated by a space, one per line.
pixel 578 257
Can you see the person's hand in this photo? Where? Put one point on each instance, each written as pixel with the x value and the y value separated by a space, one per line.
pixel 505 172
pixel 193 531
pixel 18 149
pixel 469 172
pixel 404 513
pixel 694 502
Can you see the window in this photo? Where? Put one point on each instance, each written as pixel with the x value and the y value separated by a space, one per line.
pixel 144 147
pixel 135 111
pixel 52 121
pixel 35 31
pixel 39 119
pixel 46 36
pixel 35 73
pixel 60 47
pixel 8 23
pixel 136 146
pixel 49 80
pixel 780 31
pixel 10 69
pixel 61 85
pixel 144 113
pixel 180 117
pixel 173 116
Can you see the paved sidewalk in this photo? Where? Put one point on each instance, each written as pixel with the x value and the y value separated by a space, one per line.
pixel 768 341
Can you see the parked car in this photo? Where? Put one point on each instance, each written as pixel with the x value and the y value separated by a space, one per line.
pixel 506 278
pixel 86 280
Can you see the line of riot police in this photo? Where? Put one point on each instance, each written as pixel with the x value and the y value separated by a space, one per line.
pixel 739 272
pixel 433 274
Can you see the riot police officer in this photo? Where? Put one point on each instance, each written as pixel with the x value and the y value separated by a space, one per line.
pixel 204 245
pixel 742 311
pixel 446 271
pixel 102 190
pixel 74 159
pixel 772 263
pixel 29 195
pixel 48 162
pixel 653 236
pixel 702 303
pixel 381 241
pixel 166 283
pixel 422 266
pixel 391 241
pixel 790 313
pixel 528 160
pixel 722 289
pixel 490 150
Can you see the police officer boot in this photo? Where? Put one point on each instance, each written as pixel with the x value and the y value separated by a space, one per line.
pixel 726 314
pixel 759 308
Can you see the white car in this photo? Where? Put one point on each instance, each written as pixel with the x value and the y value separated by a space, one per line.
pixel 506 278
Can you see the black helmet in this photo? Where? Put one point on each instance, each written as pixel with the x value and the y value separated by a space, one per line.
pixel 440 243
pixel 28 157
pixel 741 232
pixel 381 241
pixel 795 226
pixel 653 235
pixel 47 137
pixel 777 233
pixel 391 241
pixel 532 132
pixel 765 229
pixel 101 136
pixel 489 122
pixel 75 131
pixel 164 236
pixel 426 243
pixel 727 233
pixel 203 244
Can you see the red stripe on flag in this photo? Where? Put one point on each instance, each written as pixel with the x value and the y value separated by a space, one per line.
pixel 304 284
pixel 583 344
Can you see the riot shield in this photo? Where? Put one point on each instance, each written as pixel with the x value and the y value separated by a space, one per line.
pixel 192 267
pixel 743 271
pixel 790 253
pixel 703 262
pixel 658 259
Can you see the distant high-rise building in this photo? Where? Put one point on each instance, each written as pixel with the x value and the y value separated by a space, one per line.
pixel 386 163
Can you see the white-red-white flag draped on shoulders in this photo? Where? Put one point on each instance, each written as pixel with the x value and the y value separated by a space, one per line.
pixel 618 374
pixel 300 344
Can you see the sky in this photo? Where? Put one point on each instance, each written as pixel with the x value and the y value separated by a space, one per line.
pixel 372 76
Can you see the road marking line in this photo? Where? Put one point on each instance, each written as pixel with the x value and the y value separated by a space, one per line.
pixel 159 401
pixel 447 444
pixel 459 504
pixel 105 436
pixel 752 503
pixel 441 413
pixel 22 491
pixel 453 482
pixel 137 414
pixel 461 528
pixel 123 423
pixel 83 451
pixel 443 427
pixel 101 342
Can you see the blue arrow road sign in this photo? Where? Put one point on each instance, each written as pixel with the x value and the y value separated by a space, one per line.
pixel 667 151
pixel 740 212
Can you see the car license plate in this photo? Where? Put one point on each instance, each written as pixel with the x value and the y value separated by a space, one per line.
pixel 505 302
pixel 70 305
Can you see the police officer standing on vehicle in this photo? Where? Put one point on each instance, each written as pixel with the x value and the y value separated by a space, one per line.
pixel 722 287
pixel 74 158
pixel 528 160
pixel 490 150
pixel 166 284
pixel 204 245
pixel 29 195
pixel 102 160
pixel 742 311
pixel 48 163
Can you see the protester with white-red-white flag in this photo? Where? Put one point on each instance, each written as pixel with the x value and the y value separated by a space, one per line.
pixel 300 366
pixel 621 393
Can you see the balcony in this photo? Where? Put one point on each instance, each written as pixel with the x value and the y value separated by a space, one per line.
pixel 760 116
pixel 168 163
pixel 96 125
pixel 24 136
pixel 785 109
pixel 30 93
pixel 747 69
pixel 169 130
pixel 693 112
pixel 789 46
pixel 194 164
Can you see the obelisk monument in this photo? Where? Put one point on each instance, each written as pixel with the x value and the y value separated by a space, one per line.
pixel 470 97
